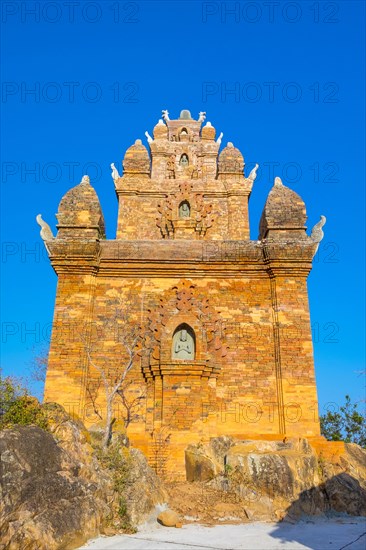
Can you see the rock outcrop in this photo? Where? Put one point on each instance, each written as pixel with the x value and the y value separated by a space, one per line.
pixel 46 500
pixel 56 494
pixel 275 479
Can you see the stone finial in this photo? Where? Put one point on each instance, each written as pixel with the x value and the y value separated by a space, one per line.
pixel 185 115
pixel 230 144
pixel 165 113
pixel 79 213
pixel 219 139
pixel 253 173
pixel 148 137
pixel 160 130
pixel 201 116
pixel 231 161
pixel 208 132
pixel 115 173
pixel 317 232
pixel 278 182
pixel 284 214
pixel 46 231
pixel 136 159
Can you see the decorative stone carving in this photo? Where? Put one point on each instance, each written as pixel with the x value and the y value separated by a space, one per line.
pixel 183 344
pixel 46 231
pixel 184 299
pixel 201 214
pixel 115 173
pixel 219 139
pixel 184 161
pixel 165 113
pixel 278 182
pixel 148 137
pixel 170 168
pixel 184 210
pixel 253 173
pixel 317 233
pixel 202 116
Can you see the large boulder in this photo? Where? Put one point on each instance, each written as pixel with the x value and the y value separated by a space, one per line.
pixel 278 479
pixel 45 501
pixel 57 490
pixel 143 490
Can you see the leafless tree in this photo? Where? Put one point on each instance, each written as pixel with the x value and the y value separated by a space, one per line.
pixel 128 340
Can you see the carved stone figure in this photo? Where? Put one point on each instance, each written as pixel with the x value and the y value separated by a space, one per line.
pixel 202 116
pixel 317 233
pixel 183 345
pixel 46 231
pixel 165 115
pixel 115 173
pixel 253 173
pixel 184 160
pixel 278 181
pixel 184 210
pixel 219 139
pixel 148 137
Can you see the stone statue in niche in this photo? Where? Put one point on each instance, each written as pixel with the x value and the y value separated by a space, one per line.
pixel 183 345
pixel 184 162
pixel 184 210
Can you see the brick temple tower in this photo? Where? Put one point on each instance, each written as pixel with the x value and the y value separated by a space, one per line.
pixel 221 322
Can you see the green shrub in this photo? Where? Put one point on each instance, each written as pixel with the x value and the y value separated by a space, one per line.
pixel 19 408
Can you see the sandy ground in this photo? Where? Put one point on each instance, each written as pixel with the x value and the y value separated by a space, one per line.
pixel 319 534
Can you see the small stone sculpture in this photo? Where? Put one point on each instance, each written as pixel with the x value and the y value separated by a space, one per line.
pixel 148 137
pixel 115 174
pixel 317 232
pixel 184 160
pixel 253 173
pixel 183 345
pixel 202 116
pixel 219 139
pixel 46 231
pixel 278 182
pixel 165 115
pixel 184 210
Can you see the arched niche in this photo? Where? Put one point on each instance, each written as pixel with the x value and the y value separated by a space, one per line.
pixel 184 209
pixel 184 343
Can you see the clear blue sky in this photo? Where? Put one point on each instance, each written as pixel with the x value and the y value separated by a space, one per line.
pixel 102 71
